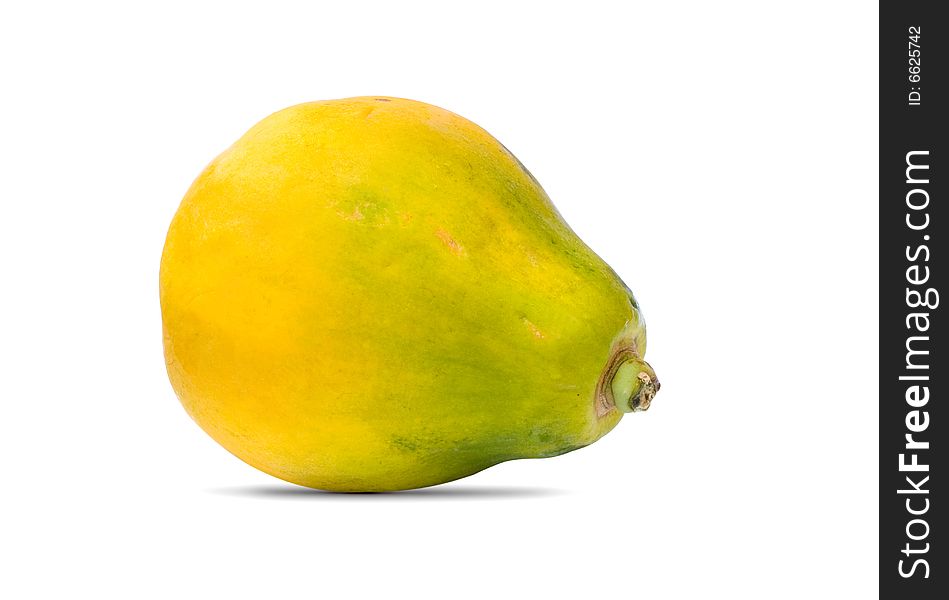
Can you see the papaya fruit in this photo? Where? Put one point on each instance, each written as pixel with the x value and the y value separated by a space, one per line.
pixel 374 294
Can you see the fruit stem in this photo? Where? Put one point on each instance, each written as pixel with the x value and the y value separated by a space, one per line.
pixel 627 382
pixel 634 384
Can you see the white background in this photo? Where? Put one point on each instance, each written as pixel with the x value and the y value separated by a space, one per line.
pixel 721 156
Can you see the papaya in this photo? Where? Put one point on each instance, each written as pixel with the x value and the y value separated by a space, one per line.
pixel 374 294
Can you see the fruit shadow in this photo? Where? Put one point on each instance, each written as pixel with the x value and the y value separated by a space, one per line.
pixel 453 492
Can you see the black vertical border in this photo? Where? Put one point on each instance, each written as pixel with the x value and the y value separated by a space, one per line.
pixel 905 128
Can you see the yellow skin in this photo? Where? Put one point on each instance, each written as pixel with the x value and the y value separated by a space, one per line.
pixel 373 294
